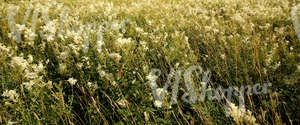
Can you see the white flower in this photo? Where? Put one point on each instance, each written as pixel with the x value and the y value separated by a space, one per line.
pixel 115 25
pixel 115 56
pixel 139 29
pixel 30 59
pixel 123 103
pixel 146 114
pixel 11 123
pixel 122 41
pixel 28 85
pixel 29 34
pixel 223 56
pixel 20 28
pixel 20 62
pixel 79 65
pixel 30 75
pixel 237 17
pixel 11 94
pixel 158 103
pixel 62 67
pixel 72 81
pixel 92 85
pixel 241 115
pixel 50 27
pixel 64 55
pixel 160 91
pixel 49 37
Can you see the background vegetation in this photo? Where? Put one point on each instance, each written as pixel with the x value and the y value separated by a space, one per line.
pixel 52 79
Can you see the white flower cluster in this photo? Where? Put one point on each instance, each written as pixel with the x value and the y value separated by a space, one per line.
pixel 72 81
pixel 12 95
pixel 241 115
pixel 31 71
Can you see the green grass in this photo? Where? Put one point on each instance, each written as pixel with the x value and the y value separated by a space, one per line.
pixel 242 42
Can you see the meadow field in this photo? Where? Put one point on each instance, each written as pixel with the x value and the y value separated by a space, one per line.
pixel 92 62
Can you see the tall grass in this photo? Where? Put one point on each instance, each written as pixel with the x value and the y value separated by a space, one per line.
pixel 88 61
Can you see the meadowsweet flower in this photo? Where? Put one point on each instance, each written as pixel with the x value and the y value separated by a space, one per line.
pixel 144 45
pixel 72 81
pixel 79 65
pixel 146 114
pixel 5 50
pixel 11 94
pixel 122 41
pixel 238 18
pixel 92 85
pixel 139 29
pixel 28 85
pixel 115 25
pixel 30 58
pixel 122 103
pixel 241 115
pixel 64 55
pixel 158 103
pixel 116 56
pixel 62 68
pixel 20 62
pixel 30 75
pixel 11 123
pixel 20 27
pixel 50 27
pixel 29 34
pixel 223 56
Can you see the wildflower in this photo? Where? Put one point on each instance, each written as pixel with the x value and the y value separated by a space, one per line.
pixel 139 29
pixel 123 103
pixel 11 94
pixel 30 75
pixel 158 103
pixel 28 85
pixel 20 62
pixel 79 65
pixel 50 27
pixel 20 28
pixel 30 59
pixel 122 41
pixel 92 85
pixel 4 49
pixel 146 114
pixel 29 34
pixel 115 25
pixel 62 68
pixel 72 81
pixel 241 115
pixel 11 123
pixel 64 55
pixel 238 18
pixel 115 56
pixel 223 56
pixel 144 45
